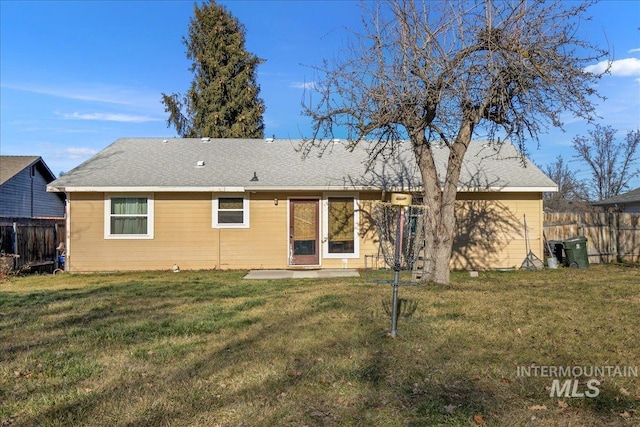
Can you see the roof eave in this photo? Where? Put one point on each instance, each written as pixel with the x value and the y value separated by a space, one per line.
pixel 539 189
pixel 240 189
pixel 614 202
pixel 141 189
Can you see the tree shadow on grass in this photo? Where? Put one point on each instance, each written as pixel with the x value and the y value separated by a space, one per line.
pixel 317 362
pixel 300 392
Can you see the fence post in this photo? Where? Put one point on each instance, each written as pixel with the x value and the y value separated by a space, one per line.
pixel 14 244
pixel 613 230
pixel 55 246
pixel 14 238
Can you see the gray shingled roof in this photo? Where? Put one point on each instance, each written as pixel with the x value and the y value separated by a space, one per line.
pixel 632 196
pixel 157 164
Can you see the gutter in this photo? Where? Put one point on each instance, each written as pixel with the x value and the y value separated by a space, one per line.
pixel 233 189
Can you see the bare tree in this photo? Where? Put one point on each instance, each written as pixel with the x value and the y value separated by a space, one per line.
pixel 441 72
pixel 613 164
pixel 572 193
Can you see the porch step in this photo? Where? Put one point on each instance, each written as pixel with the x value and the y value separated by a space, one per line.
pixel 301 274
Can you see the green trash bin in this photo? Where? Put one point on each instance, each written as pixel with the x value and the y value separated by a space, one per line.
pixel 576 251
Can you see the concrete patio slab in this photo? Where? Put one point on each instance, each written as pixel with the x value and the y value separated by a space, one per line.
pixel 301 274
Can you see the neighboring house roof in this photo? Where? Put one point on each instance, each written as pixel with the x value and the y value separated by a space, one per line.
pixel 156 164
pixel 10 166
pixel 23 189
pixel 632 196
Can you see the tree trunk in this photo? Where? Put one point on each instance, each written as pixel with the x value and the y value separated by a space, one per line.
pixel 440 221
pixel 438 246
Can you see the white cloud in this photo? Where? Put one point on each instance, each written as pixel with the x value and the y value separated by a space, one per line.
pixel 79 152
pixel 93 92
pixel 109 117
pixel 635 50
pixel 622 67
pixel 88 92
pixel 304 85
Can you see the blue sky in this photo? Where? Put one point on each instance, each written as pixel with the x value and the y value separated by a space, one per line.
pixel 77 75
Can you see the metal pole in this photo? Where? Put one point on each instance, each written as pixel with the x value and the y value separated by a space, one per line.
pixel 396 275
pixel 14 244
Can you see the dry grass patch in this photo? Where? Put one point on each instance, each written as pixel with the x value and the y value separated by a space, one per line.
pixel 207 348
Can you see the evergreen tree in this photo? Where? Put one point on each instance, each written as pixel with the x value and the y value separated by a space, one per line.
pixel 223 99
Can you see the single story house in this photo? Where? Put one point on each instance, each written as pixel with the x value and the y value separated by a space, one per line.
pixel 628 202
pixel 23 189
pixel 152 203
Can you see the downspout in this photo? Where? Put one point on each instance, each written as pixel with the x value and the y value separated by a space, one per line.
pixel 67 231
pixel 541 225
pixel 219 246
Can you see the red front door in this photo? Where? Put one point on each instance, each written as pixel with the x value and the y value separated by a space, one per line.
pixel 304 232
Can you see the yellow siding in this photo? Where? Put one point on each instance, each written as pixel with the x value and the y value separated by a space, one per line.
pixel 264 244
pixel 491 234
pixel 182 235
pixel 491 230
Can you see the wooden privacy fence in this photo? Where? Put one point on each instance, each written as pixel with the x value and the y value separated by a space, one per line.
pixel 34 241
pixel 610 236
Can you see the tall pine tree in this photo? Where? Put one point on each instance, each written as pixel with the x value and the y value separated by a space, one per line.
pixel 223 99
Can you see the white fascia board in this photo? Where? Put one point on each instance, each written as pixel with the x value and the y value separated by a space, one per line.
pixel 312 188
pixel 285 188
pixel 343 188
pixel 508 189
pixel 154 189
pixel 399 189
pixel 553 189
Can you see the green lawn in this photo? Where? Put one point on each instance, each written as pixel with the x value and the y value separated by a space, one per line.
pixel 209 349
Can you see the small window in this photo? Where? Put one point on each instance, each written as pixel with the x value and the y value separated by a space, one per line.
pixel 129 217
pixel 231 211
pixel 341 227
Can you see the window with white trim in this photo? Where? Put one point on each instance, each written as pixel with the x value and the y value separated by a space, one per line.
pixel 231 211
pixel 128 217
pixel 341 218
